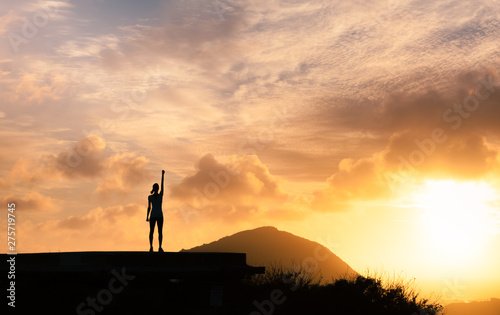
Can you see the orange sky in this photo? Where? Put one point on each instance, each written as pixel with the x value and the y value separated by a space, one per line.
pixel 370 128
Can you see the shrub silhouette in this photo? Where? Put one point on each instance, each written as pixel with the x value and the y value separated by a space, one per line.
pixel 305 293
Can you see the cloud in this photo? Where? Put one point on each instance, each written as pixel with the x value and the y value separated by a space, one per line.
pixel 232 191
pixel 460 157
pixel 7 19
pixel 108 216
pixel 124 173
pixel 402 164
pixel 423 110
pixel 28 172
pixel 116 174
pixel 186 33
pixel 118 227
pixel 92 47
pixel 86 158
pixel 33 92
pixel 367 79
pixel 355 181
pixel 190 32
pixel 38 89
pixel 434 134
pixel 407 160
pixel 33 201
pixel 78 223
pixel 394 129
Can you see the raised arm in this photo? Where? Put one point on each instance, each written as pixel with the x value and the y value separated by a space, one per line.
pixel 162 176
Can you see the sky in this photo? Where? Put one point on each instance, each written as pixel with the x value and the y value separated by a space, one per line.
pixel 370 127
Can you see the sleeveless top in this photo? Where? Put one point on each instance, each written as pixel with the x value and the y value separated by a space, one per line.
pixel 156 202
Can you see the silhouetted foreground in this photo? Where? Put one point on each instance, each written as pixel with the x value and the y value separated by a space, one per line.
pixel 126 282
pixel 297 291
pixel 193 283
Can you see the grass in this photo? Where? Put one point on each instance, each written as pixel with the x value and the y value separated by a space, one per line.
pixel 305 292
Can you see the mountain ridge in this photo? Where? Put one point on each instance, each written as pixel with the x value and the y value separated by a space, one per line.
pixel 268 246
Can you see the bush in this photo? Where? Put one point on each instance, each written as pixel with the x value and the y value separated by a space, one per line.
pixel 304 293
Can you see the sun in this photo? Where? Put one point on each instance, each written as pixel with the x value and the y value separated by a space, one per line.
pixel 455 223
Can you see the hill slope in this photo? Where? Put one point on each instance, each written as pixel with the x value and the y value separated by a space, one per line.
pixel 266 246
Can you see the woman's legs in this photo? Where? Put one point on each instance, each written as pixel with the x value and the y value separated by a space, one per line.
pixel 151 232
pixel 160 231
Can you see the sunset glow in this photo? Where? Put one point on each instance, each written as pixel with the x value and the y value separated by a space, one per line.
pixel 457 219
pixel 371 127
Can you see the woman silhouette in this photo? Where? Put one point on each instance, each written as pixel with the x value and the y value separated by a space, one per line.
pixel 155 201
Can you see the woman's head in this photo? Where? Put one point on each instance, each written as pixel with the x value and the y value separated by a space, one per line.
pixel 156 187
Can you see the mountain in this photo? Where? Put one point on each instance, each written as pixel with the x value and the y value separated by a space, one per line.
pixel 491 307
pixel 266 246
